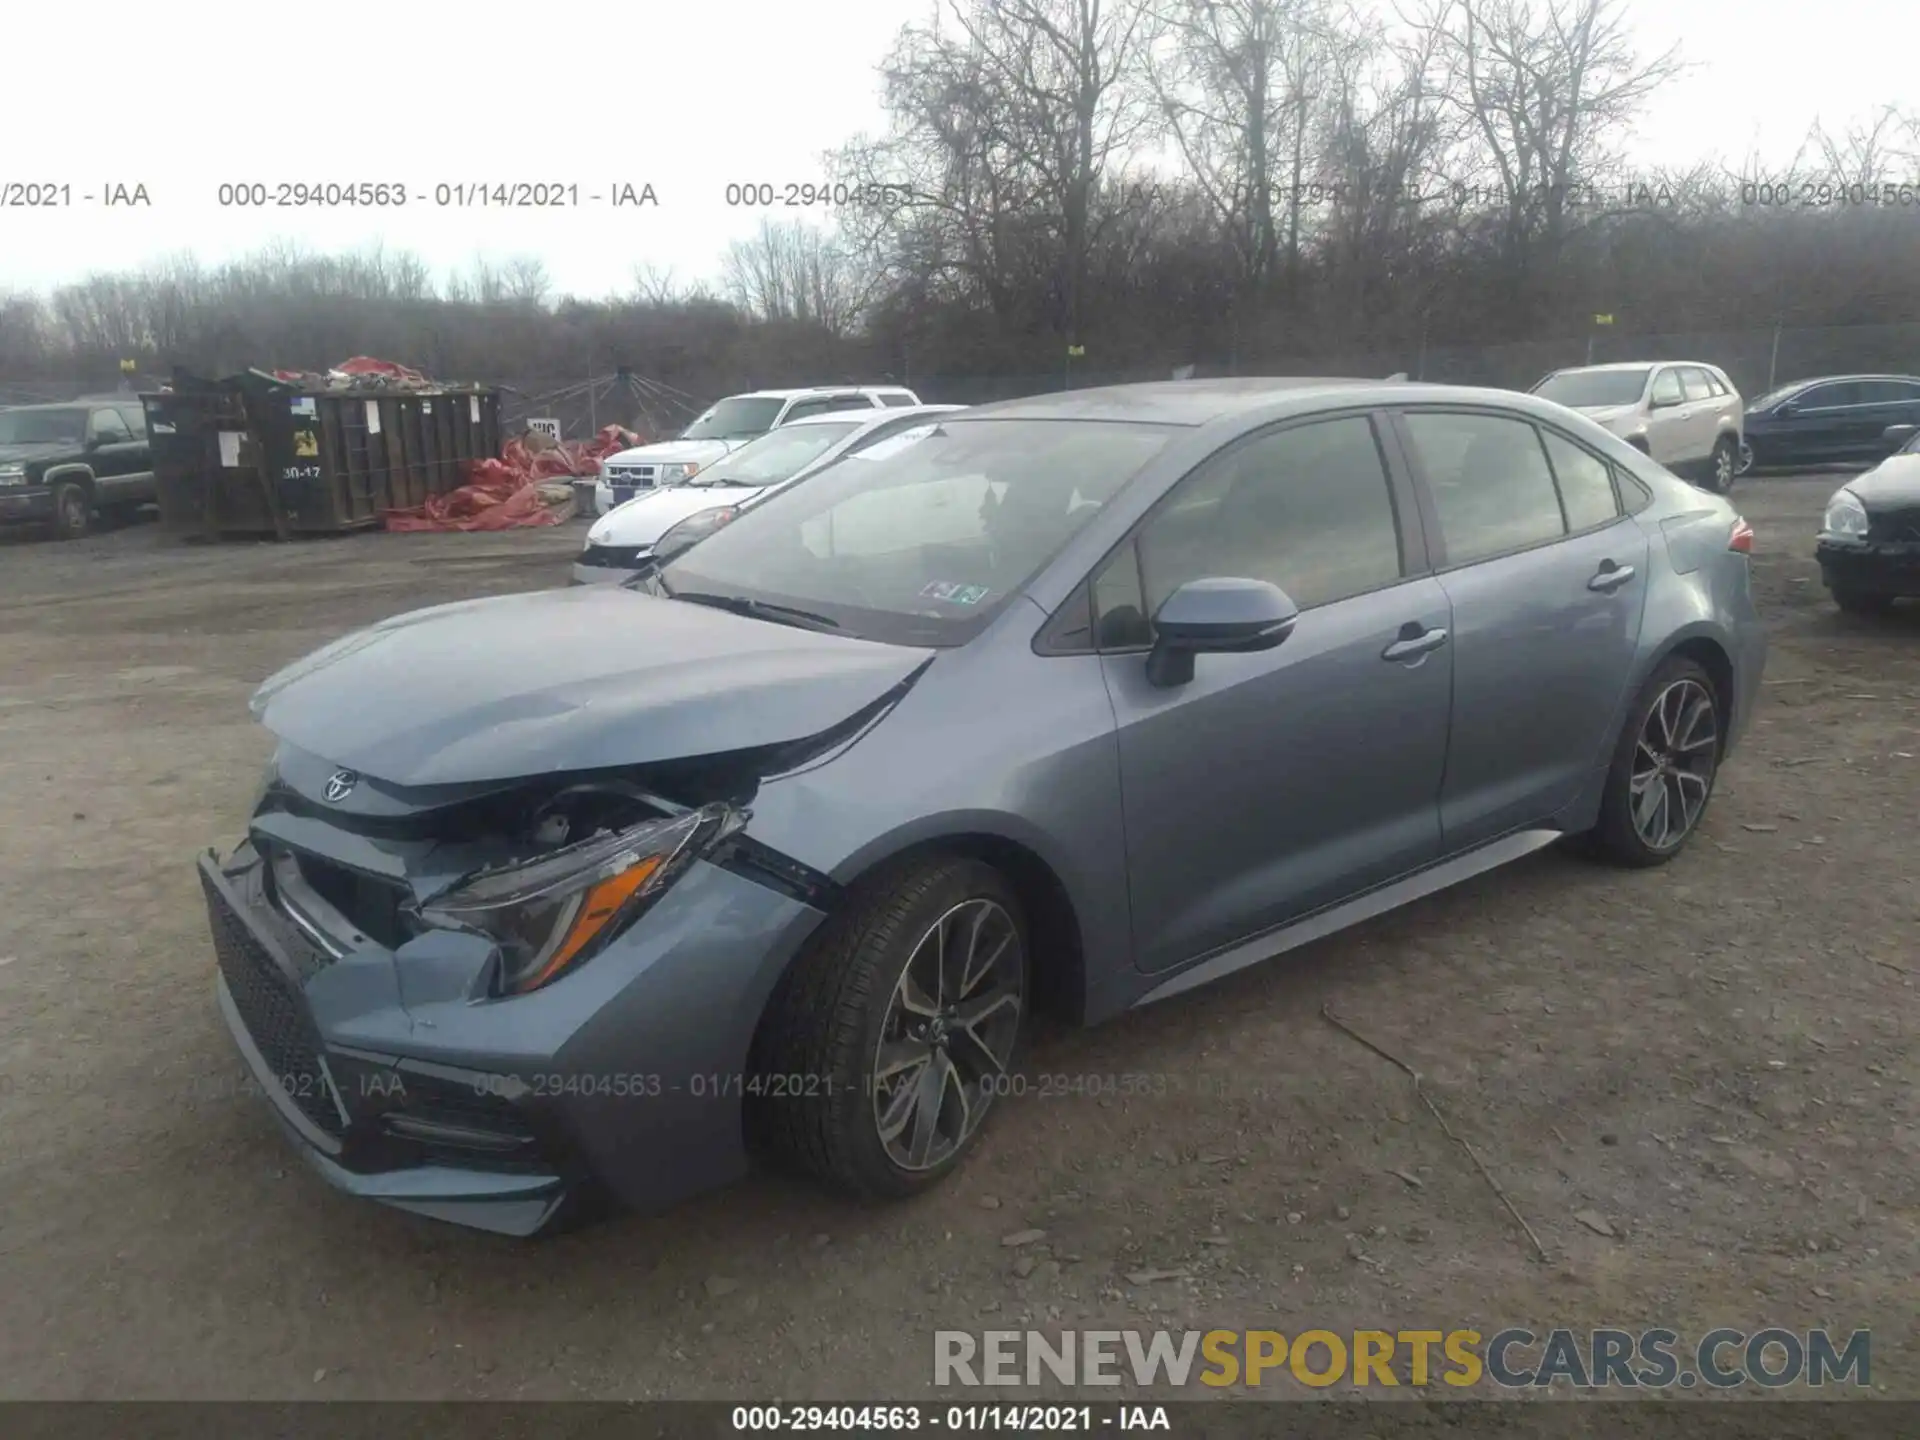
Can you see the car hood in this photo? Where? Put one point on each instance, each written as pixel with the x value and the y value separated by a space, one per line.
pixel 558 680
pixel 15 454
pixel 674 452
pixel 645 518
pixel 1894 481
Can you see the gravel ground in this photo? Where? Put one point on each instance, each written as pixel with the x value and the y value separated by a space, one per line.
pixel 1713 1061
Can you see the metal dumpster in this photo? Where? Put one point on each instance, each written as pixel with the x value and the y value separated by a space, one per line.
pixel 256 455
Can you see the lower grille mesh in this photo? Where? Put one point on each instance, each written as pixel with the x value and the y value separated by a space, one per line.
pixel 275 1017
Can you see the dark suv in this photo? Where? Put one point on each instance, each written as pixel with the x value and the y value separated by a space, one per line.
pixel 59 464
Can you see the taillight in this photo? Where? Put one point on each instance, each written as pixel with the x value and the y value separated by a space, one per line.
pixel 1742 537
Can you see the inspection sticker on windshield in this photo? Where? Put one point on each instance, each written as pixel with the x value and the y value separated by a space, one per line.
pixel 954 594
pixel 894 444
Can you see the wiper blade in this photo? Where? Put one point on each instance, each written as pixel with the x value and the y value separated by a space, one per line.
pixel 758 609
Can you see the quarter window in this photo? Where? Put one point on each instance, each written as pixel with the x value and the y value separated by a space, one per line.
pixel 1307 508
pixel 1492 489
pixel 1585 480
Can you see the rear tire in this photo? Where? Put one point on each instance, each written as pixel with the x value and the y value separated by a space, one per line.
pixel 72 511
pixel 1860 602
pixel 876 1064
pixel 1664 766
pixel 1723 464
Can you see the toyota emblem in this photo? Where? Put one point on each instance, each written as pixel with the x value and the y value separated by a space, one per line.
pixel 340 785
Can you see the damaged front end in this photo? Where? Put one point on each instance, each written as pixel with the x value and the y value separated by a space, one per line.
pixel 489 1001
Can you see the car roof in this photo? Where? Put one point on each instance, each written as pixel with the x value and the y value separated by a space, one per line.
pixel 1197 402
pixel 816 390
pixel 1631 365
pixel 1832 379
pixel 866 417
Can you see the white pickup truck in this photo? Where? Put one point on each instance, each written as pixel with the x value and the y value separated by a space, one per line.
pixel 727 426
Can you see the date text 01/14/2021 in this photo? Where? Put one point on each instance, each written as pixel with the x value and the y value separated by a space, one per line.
pixel 464 195
pixel 910 1418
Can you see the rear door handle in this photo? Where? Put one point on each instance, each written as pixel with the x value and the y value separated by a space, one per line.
pixel 1610 578
pixel 1410 646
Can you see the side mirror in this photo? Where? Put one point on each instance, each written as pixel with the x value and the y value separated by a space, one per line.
pixel 1787 407
pixel 1224 615
pixel 1656 403
pixel 1895 437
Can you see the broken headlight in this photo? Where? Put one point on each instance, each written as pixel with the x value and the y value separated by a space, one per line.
pixel 549 914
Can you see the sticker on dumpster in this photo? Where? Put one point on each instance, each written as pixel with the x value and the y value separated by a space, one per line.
pixel 230 449
pixel 473 408
pixel 303 405
pixel 373 417
pixel 305 443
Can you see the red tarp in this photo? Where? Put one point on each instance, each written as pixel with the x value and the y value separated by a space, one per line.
pixel 504 494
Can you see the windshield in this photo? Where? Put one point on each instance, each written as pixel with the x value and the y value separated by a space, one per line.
pixel 42 427
pixel 1593 387
pixel 735 419
pixel 776 456
pixel 923 537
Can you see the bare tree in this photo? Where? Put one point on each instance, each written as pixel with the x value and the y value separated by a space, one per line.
pixel 795 271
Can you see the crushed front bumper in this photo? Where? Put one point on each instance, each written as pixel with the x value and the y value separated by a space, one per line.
pixel 622 1079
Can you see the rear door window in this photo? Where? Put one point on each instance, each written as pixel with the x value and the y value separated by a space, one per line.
pixel 1493 491
pixel 1666 388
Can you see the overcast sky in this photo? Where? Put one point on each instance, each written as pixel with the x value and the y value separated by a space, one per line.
pixel 685 95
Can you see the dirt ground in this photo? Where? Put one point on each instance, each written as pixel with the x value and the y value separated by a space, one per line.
pixel 1714 1059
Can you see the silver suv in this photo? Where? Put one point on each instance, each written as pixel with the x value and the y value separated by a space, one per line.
pixel 1685 414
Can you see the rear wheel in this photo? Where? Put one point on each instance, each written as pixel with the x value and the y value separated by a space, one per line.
pixel 885 1045
pixel 1861 602
pixel 72 511
pixel 1663 770
pixel 1723 464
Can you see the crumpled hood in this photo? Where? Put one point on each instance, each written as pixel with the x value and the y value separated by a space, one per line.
pixel 1895 481
pixel 558 680
pixel 674 452
pixel 645 518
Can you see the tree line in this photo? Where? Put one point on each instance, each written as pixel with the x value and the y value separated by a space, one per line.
pixel 1148 183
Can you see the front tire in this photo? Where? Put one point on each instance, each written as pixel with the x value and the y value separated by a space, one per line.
pixel 886 1043
pixel 72 511
pixel 1664 765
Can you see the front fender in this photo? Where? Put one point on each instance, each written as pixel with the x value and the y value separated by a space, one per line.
pixel 72 470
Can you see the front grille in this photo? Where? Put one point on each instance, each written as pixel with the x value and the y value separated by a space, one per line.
pixel 274 1013
pixel 366 901
pixel 1902 524
pixel 614 557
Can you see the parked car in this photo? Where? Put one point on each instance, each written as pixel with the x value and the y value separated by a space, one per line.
pixel 62 464
pixel 1832 418
pixel 1071 704
pixel 656 525
pixel 1688 416
pixel 1869 542
pixel 727 426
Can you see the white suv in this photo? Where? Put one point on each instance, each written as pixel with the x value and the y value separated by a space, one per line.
pixel 1685 414
pixel 728 425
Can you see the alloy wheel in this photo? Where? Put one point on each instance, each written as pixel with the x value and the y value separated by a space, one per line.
pixel 1724 467
pixel 1674 759
pixel 948 1035
pixel 1745 462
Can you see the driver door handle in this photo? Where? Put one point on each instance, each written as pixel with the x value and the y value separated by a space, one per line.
pixel 1610 578
pixel 1409 646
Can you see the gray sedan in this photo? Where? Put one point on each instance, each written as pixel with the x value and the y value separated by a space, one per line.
pixel 1065 704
